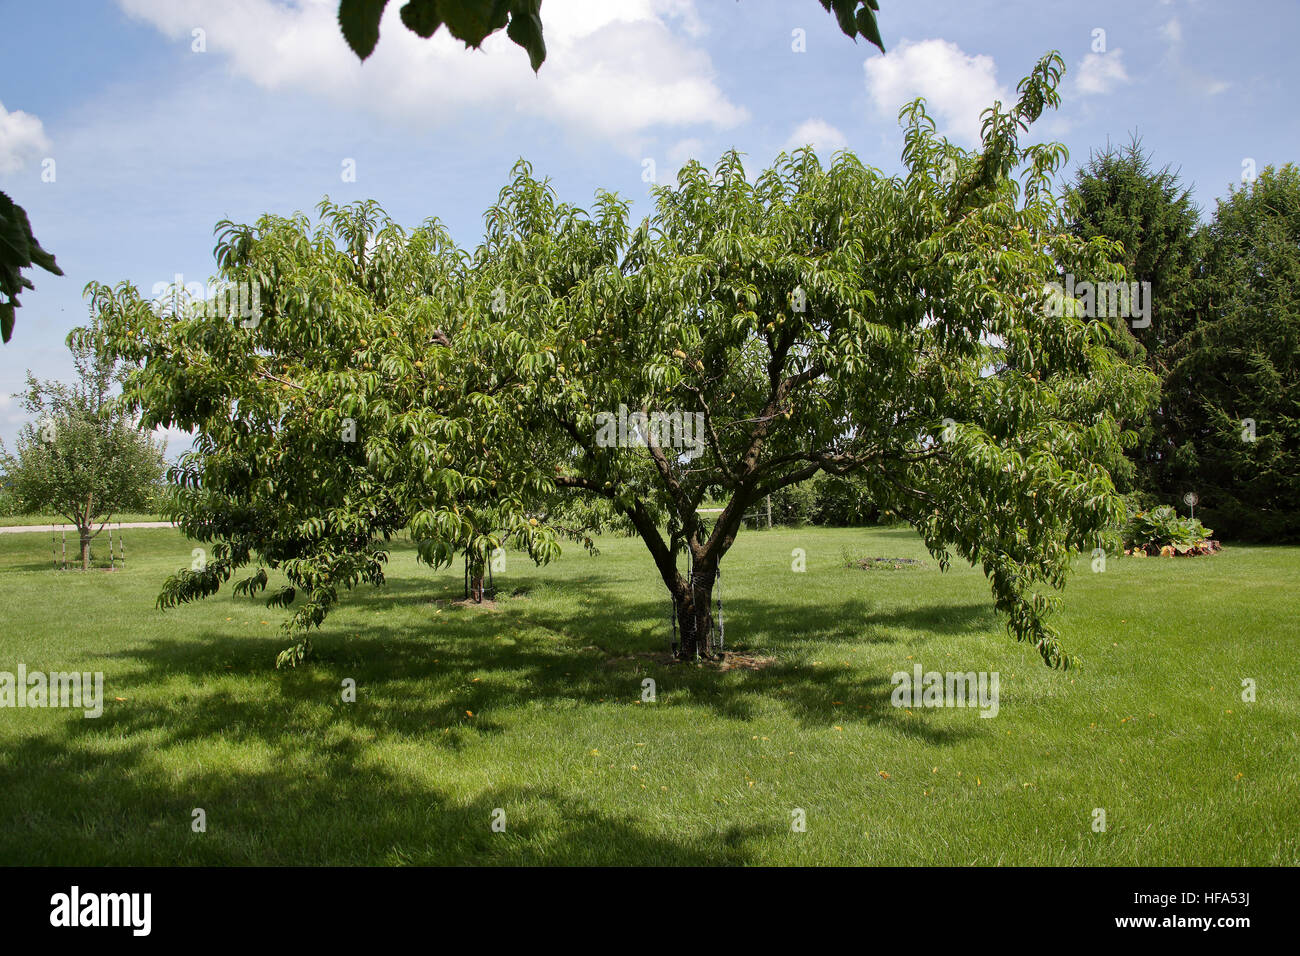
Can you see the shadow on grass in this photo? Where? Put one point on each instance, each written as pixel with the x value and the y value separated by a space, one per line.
pixel 84 810
pixel 98 793
pixel 423 677
pixel 536 654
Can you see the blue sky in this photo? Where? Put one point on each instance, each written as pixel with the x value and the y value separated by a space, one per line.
pixel 153 141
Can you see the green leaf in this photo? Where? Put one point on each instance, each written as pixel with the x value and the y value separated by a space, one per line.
pixel 421 17
pixel 15 233
pixel 18 250
pixel 866 22
pixel 471 21
pixel 854 22
pixel 844 14
pixel 526 30
pixel 359 21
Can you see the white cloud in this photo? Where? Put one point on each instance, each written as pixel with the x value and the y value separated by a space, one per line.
pixel 957 87
pixel 681 152
pixel 11 413
pixel 824 138
pixel 1192 79
pixel 1101 72
pixel 22 138
pixel 614 68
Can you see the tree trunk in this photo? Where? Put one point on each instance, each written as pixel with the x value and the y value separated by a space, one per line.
pixel 694 601
pixel 85 534
pixel 474 568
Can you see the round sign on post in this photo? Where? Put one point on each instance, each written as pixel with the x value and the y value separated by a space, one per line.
pixel 1192 500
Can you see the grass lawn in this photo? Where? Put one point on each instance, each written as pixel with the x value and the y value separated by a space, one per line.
pixel 534 707
pixel 16 521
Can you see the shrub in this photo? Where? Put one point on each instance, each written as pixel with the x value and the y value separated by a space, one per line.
pixel 792 505
pixel 842 502
pixel 822 500
pixel 1160 530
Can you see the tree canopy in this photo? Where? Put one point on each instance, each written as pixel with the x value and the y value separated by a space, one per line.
pixel 808 319
pixel 337 415
pixel 835 320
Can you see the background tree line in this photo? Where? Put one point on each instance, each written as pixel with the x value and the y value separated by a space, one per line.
pixel 1223 340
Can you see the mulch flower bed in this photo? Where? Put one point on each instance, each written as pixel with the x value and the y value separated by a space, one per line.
pixel 1175 550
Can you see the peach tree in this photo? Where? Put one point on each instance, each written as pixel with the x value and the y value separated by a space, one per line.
pixel 804 320
pixel 347 400
pixel 835 320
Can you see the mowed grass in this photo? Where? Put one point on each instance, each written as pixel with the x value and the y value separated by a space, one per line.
pixel 534 709
pixel 47 520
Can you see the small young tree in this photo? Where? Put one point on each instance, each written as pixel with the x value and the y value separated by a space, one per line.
pixel 82 458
